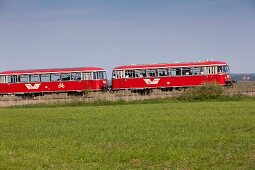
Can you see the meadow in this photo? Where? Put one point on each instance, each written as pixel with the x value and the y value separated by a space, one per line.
pixel 156 135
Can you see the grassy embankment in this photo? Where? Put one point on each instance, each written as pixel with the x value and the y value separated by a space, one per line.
pixel 167 134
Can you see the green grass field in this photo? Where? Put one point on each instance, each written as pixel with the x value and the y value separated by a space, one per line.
pixel 167 135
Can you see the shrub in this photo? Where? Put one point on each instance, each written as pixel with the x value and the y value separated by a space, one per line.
pixel 208 91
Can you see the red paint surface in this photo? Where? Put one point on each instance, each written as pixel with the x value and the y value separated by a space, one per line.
pixel 59 86
pixel 53 86
pixel 169 81
pixel 165 82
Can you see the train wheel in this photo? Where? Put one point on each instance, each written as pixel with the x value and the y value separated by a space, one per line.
pixel 27 96
pixel 76 93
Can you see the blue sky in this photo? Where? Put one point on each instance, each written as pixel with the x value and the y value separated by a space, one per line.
pixel 108 33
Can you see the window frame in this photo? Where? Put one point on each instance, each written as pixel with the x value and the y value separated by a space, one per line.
pixel 55 80
pixel 77 73
pixel 2 78
pixel 163 70
pixel 64 74
pixel 30 76
pixel 140 73
pixel 118 74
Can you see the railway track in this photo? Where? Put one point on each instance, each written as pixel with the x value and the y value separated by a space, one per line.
pixel 127 96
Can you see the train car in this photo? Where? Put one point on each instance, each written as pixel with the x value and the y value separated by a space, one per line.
pixel 74 81
pixel 143 78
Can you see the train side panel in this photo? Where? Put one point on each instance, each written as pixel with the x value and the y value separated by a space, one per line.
pixel 44 87
pixel 166 82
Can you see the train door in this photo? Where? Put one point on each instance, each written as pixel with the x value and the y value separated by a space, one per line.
pixel 87 77
pixel 210 73
pixel 3 84
pixel 118 81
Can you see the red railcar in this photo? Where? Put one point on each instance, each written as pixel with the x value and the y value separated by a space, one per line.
pixel 169 76
pixel 41 81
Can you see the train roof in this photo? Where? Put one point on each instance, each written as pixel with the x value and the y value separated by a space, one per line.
pixel 53 70
pixel 165 65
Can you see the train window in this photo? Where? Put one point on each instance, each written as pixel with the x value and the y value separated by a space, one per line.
pixel 87 76
pixel 210 70
pixel 162 72
pixel 186 71
pixel 219 69
pixel 75 76
pixel 65 76
pixel 129 73
pixel 178 72
pixel 172 72
pixel 118 74
pixel 102 75
pixel 140 73
pixel 225 69
pixel 55 77
pixel 12 79
pixel 214 70
pixel 34 78
pixel 45 77
pixel 23 78
pixel 2 79
pixel 151 73
pixel 175 72
pixel 95 75
pixel 196 70
pixel 207 70
pixel 113 74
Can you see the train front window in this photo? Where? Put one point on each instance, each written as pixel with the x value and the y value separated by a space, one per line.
pixel 223 69
pixel 102 75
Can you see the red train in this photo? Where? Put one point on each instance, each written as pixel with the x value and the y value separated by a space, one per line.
pixel 143 78
pixel 74 81
pixel 137 78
